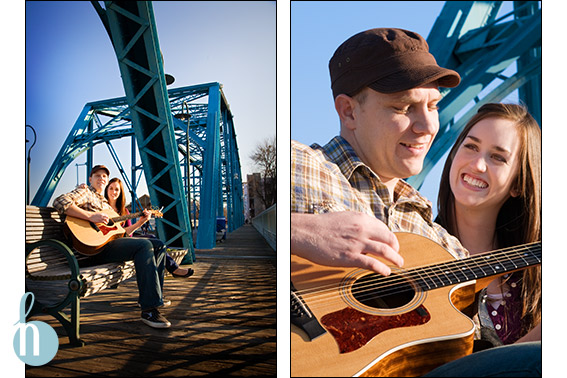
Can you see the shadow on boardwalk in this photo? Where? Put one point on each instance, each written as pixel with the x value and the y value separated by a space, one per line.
pixel 223 321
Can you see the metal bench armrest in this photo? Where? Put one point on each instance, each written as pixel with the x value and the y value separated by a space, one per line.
pixel 64 249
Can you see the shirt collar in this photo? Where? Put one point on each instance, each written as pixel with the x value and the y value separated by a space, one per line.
pixel 101 196
pixel 340 152
pixel 343 155
pixel 404 192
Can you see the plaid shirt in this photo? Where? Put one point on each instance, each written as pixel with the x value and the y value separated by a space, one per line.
pixel 87 199
pixel 333 178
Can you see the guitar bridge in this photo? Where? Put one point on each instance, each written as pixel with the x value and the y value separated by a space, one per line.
pixel 302 317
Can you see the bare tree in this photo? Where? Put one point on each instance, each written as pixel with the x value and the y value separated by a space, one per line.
pixel 264 158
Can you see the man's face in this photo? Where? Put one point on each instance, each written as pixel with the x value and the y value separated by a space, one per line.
pixel 392 133
pixel 98 180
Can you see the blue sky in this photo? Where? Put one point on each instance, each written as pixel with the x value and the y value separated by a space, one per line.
pixel 70 62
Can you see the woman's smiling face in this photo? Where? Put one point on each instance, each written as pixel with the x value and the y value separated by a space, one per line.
pixel 486 164
pixel 113 190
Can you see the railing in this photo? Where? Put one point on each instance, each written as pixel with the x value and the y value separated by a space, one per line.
pixel 265 223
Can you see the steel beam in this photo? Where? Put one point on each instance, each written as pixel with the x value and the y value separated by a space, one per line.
pixel 134 37
pixel 210 188
pixel 468 38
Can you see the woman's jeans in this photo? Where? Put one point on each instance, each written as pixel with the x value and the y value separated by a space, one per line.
pixel 516 360
pixel 149 260
pixel 170 264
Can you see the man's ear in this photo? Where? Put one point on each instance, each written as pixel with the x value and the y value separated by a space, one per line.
pixel 344 105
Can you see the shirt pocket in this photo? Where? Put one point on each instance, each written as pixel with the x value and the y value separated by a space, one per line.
pixel 326 206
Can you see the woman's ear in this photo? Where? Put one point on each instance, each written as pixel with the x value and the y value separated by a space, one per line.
pixel 514 192
pixel 344 105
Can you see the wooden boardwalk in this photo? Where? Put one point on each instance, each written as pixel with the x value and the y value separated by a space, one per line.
pixel 223 321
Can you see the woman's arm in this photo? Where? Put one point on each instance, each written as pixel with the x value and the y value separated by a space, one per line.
pixel 533 335
pixel 143 219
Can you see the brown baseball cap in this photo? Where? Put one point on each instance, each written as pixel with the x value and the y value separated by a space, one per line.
pixel 386 60
pixel 98 168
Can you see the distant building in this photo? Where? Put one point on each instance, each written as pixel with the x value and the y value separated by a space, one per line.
pixel 245 201
pixel 255 186
pixel 144 201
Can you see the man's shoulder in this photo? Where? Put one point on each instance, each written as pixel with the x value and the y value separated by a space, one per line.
pixel 314 150
pixel 295 145
pixel 300 150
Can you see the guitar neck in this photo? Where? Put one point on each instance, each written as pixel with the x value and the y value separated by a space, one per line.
pixel 476 267
pixel 128 216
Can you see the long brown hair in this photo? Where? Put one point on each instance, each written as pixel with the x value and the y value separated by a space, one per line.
pixel 121 200
pixel 519 219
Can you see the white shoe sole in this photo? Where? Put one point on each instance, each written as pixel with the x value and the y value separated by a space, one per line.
pixel 156 325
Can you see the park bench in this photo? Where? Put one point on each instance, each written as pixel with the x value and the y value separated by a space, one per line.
pixel 53 274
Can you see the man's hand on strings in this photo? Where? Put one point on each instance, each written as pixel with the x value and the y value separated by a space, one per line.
pixel 345 239
pixel 99 218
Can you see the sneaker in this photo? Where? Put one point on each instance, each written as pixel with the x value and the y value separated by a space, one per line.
pixel 154 319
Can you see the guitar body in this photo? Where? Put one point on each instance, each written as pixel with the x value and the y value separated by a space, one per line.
pixel 88 238
pixel 398 335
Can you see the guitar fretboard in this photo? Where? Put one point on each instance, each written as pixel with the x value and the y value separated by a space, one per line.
pixel 479 266
pixel 126 217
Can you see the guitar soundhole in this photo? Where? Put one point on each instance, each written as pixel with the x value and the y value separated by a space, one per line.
pixel 377 291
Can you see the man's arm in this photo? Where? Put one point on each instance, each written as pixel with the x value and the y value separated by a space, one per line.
pixel 344 239
pixel 75 211
pixel 69 204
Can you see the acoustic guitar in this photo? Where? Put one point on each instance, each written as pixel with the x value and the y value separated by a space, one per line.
pixel 353 322
pixel 89 238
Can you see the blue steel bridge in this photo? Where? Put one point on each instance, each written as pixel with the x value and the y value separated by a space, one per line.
pixel 185 137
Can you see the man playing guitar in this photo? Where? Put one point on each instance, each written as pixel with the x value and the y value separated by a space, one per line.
pixel 148 254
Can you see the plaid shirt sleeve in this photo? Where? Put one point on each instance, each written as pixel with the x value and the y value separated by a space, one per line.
pixel 83 198
pixel 449 242
pixel 317 184
pixel 412 213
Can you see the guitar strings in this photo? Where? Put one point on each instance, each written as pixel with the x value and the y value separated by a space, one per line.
pixel 394 288
pixel 370 291
pixel 451 264
pixel 436 273
pixel 474 259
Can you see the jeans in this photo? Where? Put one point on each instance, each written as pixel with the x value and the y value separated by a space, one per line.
pixel 515 360
pixel 170 264
pixel 149 260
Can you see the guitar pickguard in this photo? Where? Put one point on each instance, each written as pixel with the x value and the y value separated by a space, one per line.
pixel 105 229
pixel 352 329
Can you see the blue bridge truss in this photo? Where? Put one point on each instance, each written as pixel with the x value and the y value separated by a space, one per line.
pixel 469 38
pixel 185 137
